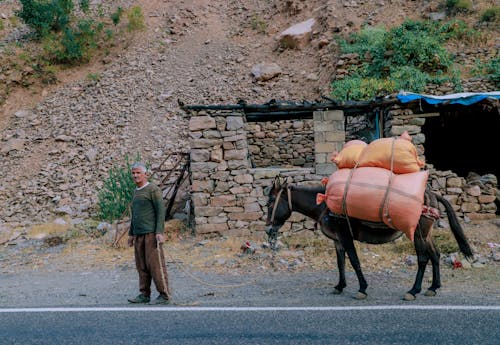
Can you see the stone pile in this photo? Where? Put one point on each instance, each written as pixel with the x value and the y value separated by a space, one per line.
pixel 472 198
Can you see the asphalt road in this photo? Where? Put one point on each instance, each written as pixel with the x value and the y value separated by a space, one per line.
pixel 201 326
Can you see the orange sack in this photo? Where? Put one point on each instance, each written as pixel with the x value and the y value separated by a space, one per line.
pixel 379 153
pixel 366 196
pixel 349 155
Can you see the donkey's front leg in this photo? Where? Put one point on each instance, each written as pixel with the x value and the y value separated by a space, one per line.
pixel 347 242
pixel 353 258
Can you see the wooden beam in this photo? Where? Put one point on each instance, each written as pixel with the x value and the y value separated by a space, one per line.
pixel 417 115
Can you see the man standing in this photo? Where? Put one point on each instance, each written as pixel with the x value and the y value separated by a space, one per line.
pixel 146 235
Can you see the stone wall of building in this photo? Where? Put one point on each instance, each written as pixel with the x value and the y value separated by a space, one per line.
pixel 227 192
pixel 287 143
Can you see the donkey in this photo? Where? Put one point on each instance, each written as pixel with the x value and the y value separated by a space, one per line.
pixel 284 198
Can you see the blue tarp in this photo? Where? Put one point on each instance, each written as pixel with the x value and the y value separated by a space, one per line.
pixel 465 98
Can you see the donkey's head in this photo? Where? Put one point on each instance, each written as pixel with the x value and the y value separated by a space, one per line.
pixel 278 207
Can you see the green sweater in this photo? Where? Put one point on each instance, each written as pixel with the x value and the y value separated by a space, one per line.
pixel 148 211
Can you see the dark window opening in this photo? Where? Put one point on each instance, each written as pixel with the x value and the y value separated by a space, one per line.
pixel 365 127
pixel 464 139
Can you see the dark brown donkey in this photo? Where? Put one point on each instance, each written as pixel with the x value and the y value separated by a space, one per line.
pixel 284 198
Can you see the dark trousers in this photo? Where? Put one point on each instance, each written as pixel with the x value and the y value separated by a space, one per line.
pixel 150 264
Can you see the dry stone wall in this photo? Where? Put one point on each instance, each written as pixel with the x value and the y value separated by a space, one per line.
pixel 227 192
pixel 282 143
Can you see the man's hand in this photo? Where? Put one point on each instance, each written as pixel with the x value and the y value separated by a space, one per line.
pixel 160 238
pixel 130 241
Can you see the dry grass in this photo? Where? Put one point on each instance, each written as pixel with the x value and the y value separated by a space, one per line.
pixel 301 251
pixel 305 251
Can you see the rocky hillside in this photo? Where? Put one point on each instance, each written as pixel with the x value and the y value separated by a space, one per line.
pixel 57 143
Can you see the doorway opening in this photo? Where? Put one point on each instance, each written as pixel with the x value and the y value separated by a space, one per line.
pixel 464 139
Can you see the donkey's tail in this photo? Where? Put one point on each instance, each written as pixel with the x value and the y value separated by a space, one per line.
pixel 456 228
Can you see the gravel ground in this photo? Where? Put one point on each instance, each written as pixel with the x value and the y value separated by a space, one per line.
pixel 86 271
pixel 255 285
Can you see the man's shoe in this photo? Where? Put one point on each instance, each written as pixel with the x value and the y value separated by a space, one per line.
pixel 139 299
pixel 160 300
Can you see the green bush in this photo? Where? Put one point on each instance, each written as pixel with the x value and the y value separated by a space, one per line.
pixel 116 16
pixel 93 77
pixel 415 44
pixel 409 78
pixel 406 57
pixel 108 34
pixel 84 5
pixel 493 71
pixel 65 38
pixel 458 30
pixel 357 88
pixel 73 44
pixel 491 15
pixel 455 6
pixel 490 69
pixel 135 19
pixel 258 24
pixel 45 16
pixel 116 193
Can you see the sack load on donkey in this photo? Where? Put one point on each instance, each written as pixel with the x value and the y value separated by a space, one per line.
pixel 378 182
pixel 377 195
pixel 398 155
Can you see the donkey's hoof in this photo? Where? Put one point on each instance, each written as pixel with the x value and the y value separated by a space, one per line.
pixel 336 291
pixel 409 297
pixel 360 296
pixel 430 293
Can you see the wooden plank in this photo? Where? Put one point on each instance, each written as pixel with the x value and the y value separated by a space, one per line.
pixel 418 115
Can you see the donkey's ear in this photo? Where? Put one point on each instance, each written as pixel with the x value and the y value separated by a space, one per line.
pixel 284 182
pixel 276 182
pixel 267 190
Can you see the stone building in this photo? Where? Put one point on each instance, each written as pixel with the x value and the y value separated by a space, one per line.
pixel 234 156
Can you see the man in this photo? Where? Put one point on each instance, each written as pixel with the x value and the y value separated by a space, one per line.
pixel 146 235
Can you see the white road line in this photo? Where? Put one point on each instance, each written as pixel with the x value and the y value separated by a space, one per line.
pixel 176 309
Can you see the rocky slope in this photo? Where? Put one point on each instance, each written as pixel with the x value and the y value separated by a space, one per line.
pixel 56 154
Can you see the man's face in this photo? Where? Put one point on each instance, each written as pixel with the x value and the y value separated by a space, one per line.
pixel 139 176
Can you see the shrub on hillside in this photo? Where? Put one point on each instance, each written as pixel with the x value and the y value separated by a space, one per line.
pixel 116 193
pixel 135 19
pixel 45 16
pixel 116 16
pixel 407 57
pixel 458 6
pixel 74 44
pixel 491 15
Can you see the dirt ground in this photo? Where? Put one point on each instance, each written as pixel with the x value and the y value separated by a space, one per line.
pixel 59 248
pixel 83 270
